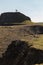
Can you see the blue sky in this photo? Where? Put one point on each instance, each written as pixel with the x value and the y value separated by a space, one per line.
pixel 31 8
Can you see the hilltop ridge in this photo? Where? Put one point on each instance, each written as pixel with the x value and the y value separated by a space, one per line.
pixel 13 17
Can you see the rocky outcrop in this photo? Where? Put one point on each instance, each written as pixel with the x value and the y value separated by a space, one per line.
pixel 13 17
pixel 21 53
pixel 36 29
pixel 33 29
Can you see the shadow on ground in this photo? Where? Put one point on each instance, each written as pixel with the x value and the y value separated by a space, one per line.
pixel 20 53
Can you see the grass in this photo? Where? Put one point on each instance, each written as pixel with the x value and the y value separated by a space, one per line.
pixel 10 33
pixel 27 22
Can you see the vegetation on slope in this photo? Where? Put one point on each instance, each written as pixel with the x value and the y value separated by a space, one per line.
pixel 31 32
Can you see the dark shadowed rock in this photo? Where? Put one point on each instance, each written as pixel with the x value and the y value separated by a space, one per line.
pixel 35 29
pixel 20 53
pixel 13 17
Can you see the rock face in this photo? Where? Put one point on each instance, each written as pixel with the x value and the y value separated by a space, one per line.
pixel 35 29
pixel 13 17
pixel 20 53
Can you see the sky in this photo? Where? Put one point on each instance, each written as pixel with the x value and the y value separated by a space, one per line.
pixel 31 8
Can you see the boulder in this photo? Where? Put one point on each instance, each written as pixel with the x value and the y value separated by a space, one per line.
pixel 21 53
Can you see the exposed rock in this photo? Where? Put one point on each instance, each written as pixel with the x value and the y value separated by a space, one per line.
pixel 35 29
pixel 20 53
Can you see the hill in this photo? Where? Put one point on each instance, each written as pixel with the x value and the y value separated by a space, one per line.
pixel 31 33
pixel 13 17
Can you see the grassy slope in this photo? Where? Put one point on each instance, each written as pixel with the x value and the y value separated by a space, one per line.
pixel 10 33
pixel 7 34
pixel 27 22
